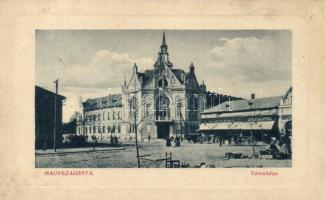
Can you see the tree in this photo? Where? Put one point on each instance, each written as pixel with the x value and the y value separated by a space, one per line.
pixel 135 107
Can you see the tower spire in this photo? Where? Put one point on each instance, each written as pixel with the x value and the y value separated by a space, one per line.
pixel 163 47
pixel 164 40
pixel 163 54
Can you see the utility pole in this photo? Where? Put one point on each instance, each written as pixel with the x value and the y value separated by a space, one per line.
pixel 55 113
pixel 136 128
pixel 180 119
pixel 250 103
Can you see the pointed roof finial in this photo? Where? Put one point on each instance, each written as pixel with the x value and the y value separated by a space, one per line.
pixel 164 39
pixel 135 67
pixel 124 79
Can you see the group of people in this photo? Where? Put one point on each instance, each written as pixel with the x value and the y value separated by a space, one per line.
pixel 113 140
pixel 176 140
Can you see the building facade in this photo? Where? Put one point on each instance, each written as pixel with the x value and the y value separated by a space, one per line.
pixel 46 118
pixel 261 117
pixel 102 117
pixel 168 102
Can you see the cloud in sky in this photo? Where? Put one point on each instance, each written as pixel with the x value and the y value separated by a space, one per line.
pixel 105 70
pixel 103 74
pixel 249 64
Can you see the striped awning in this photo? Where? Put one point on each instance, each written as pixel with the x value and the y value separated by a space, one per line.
pixel 264 125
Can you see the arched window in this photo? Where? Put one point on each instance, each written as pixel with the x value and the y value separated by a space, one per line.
pixel 195 103
pixel 163 108
pixel 163 82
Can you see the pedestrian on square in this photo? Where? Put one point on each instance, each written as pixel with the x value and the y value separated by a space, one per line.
pixel 115 141
pixel 172 139
pixel 177 141
pixel 168 142
pixel 111 139
pixel 149 137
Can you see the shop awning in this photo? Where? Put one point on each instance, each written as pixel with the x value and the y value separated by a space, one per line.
pixel 264 125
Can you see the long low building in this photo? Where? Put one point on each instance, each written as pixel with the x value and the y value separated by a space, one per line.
pixel 263 117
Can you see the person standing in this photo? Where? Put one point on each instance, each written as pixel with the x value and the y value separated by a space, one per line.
pixel 111 139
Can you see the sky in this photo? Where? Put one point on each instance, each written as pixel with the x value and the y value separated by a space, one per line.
pixel 94 63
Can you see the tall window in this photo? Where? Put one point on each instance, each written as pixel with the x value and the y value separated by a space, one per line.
pixel 94 129
pixel 119 115
pixel 179 106
pixel 195 103
pixel 119 128
pixel 147 109
pixel 162 82
pixel 108 117
pixel 131 128
pixel 163 108
pixel 103 129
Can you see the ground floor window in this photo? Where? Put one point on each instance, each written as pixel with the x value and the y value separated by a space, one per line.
pixel 119 128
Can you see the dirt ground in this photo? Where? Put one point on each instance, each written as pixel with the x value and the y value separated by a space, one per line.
pixel 192 154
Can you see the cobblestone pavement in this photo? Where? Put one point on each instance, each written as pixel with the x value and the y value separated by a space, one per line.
pixel 125 157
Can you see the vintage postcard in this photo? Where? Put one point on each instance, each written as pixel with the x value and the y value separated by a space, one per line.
pixel 162 100
pixel 156 98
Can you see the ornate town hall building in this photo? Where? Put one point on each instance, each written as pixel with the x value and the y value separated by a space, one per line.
pixel 169 102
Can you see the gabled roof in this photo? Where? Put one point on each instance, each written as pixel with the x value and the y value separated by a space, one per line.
pixel 241 105
pixel 289 91
pixel 111 101
pixel 179 73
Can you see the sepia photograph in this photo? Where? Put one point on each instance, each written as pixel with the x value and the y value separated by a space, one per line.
pixel 163 98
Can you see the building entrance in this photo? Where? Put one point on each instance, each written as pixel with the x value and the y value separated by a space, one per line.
pixel 163 130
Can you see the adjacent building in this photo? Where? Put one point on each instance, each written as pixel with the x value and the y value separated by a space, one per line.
pixel 46 118
pixel 262 117
pixel 103 117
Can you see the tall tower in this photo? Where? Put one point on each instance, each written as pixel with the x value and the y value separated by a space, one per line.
pixel 163 54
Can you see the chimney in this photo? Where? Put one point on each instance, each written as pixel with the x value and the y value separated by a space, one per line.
pixel 192 68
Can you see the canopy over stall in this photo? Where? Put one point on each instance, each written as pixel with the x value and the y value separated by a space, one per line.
pixel 266 125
